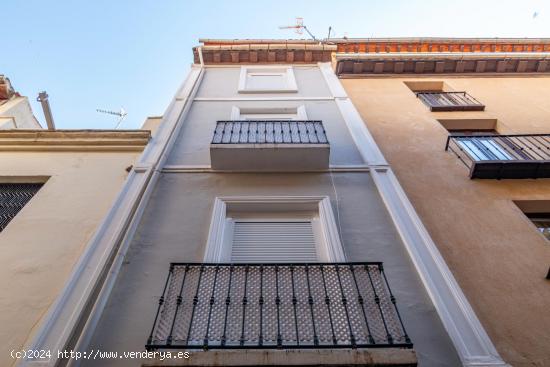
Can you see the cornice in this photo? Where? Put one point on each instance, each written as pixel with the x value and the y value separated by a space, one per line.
pixel 74 140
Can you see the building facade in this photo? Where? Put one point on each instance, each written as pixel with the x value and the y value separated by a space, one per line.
pixel 263 226
pixel 56 187
pixel 464 124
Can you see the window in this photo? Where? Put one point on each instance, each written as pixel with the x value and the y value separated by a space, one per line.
pixel 283 240
pixel 481 145
pixel 277 113
pixel 273 229
pixel 538 212
pixel 479 139
pixel 13 197
pixel 542 222
pixel 267 80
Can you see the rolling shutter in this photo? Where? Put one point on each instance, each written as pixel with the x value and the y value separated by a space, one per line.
pixel 265 242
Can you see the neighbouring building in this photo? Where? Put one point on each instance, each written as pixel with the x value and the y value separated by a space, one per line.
pixel 465 125
pixel 15 110
pixel 56 187
pixel 263 226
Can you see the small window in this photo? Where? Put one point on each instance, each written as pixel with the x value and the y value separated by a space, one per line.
pixel 278 113
pixel 479 139
pixel 542 222
pixel 538 212
pixel 13 197
pixel 267 80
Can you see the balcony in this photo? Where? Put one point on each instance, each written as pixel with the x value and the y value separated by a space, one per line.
pixel 503 156
pixel 277 306
pixel 276 145
pixel 450 101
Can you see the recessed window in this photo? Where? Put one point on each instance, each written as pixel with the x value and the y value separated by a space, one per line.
pixel 438 96
pixel 13 197
pixel 275 240
pixel 482 145
pixel 277 113
pixel 273 229
pixel 542 222
pixel 267 80
pixel 478 138
pixel 538 212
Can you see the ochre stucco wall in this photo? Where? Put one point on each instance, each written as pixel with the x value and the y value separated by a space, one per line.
pixel 494 251
pixel 43 242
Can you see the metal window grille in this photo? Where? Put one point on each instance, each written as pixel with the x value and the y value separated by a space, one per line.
pixel 328 305
pixel 450 101
pixel 269 132
pixel 503 156
pixel 13 197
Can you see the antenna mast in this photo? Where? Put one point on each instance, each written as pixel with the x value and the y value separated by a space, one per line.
pixel 121 114
pixel 299 27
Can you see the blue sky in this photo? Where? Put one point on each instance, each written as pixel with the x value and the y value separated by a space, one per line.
pixel 108 54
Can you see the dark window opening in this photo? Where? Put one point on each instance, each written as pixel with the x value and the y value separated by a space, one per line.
pixel 542 222
pixel 13 197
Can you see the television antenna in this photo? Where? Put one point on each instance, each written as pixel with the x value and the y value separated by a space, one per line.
pixel 299 27
pixel 121 114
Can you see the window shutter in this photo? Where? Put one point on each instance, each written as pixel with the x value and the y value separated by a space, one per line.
pixel 265 242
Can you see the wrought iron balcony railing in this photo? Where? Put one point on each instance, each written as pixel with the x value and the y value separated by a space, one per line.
pixel 250 306
pixel 270 145
pixel 269 132
pixel 503 156
pixel 450 101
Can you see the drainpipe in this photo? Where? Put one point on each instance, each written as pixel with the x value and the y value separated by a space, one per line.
pixel 43 99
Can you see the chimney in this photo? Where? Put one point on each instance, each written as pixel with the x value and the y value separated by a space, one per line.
pixel 43 99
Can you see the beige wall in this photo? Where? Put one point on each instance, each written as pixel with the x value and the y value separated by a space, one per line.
pixel 43 242
pixel 496 254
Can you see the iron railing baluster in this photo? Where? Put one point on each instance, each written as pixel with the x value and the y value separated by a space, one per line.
pixel 345 304
pixel 327 302
pixel 361 302
pixel 277 303
pixel 195 302
pixel 377 301
pixel 294 302
pixel 161 303
pixel 393 301
pixel 211 304
pixel 245 301
pixel 310 301
pixel 261 303
pixel 227 303
pixel 179 300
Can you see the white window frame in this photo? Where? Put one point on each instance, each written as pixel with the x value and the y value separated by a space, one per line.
pixel 273 113
pixel 218 249
pixel 286 71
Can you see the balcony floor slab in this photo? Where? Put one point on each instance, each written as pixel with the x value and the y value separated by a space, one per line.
pixel 295 357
